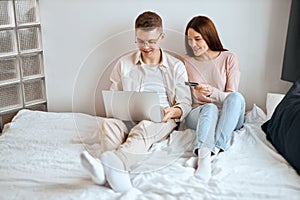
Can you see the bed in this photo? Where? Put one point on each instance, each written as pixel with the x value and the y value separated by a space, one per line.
pixel 39 159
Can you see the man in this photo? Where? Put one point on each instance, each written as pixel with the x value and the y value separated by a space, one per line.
pixel 148 69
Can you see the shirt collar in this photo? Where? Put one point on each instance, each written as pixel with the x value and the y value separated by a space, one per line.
pixel 138 59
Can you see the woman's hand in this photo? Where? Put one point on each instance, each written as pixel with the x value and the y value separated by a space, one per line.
pixel 171 113
pixel 204 89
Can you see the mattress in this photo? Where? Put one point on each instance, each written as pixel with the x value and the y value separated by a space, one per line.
pixel 39 159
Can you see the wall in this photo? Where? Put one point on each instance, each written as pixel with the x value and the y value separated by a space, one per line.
pixel 81 38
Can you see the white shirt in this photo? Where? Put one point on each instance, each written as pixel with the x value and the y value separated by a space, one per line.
pixel 153 82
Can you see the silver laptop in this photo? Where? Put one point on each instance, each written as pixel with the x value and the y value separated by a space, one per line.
pixel 132 106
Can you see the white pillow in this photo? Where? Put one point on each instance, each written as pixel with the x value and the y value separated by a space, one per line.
pixel 273 99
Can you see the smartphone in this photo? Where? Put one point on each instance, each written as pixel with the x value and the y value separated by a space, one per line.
pixel 191 84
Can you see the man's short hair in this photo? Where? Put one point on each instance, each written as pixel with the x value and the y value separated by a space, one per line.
pixel 148 21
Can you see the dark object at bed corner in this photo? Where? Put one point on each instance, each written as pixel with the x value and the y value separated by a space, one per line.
pixel 291 59
pixel 283 129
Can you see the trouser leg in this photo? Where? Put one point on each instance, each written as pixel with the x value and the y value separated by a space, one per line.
pixel 203 119
pixel 113 134
pixel 140 139
pixel 231 118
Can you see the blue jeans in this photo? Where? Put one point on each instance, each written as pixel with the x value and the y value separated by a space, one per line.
pixel 214 128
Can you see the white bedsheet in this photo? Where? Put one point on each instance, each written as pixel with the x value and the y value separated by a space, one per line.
pixel 39 159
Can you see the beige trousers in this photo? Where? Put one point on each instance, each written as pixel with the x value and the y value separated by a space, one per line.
pixel 135 146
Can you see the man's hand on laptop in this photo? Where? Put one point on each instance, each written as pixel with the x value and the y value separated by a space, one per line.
pixel 171 113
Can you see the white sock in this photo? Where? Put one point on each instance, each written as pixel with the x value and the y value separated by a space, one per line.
pixel 217 150
pixel 117 177
pixel 94 167
pixel 191 162
pixel 203 171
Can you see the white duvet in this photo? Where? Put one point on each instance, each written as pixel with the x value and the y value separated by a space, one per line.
pixel 39 159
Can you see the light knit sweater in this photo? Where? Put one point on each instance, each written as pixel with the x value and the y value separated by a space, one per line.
pixel 222 73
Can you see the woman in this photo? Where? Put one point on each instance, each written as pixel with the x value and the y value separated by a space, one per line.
pixel 218 109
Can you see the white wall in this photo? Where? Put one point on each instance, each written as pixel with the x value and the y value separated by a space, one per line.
pixel 82 37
